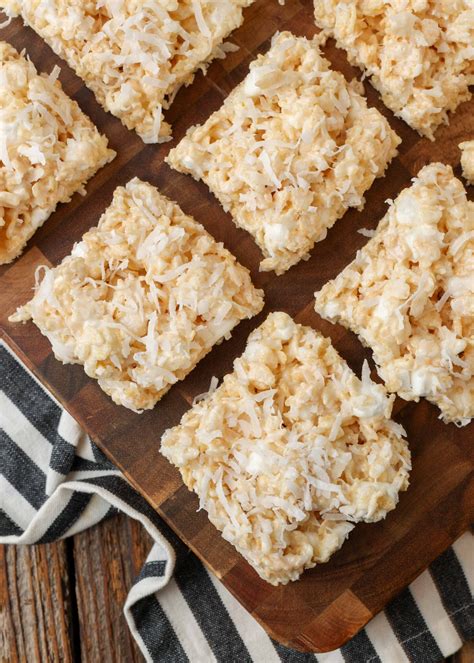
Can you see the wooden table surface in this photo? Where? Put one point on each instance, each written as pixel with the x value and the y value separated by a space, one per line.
pixel 63 602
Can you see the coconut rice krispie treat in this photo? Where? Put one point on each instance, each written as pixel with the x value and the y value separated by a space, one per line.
pixel 142 298
pixel 419 54
pixel 291 450
pixel 48 149
pixel 467 160
pixel 409 294
pixel 291 149
pixel 134 56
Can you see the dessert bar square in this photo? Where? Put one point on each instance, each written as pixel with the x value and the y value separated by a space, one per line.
pixel 409 294
pixel 142 297
pixel 48 149
pixel 290 150
pixel 290 451
pixel 419 54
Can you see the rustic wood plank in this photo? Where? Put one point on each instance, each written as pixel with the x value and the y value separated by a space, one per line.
pixel 379 560
pixel 35 604
pixel 63 602
pixel 107 558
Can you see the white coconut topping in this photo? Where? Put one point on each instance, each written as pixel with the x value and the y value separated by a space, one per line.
pixel 467 160
pixel 291 149
pixel 419 54
pixel 409 294
pixel 366 232
pixel 290 451
pixel 142 298
pixel 134 56
pixel 48 149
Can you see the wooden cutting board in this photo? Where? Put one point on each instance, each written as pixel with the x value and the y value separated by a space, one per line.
pixel 330 603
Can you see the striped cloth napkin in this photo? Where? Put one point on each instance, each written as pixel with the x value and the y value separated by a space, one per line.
pixel 55 482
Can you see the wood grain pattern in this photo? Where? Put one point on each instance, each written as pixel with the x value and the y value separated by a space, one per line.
pixel 107 559
pixel 63 602
pixel 35 614
pixel 330 603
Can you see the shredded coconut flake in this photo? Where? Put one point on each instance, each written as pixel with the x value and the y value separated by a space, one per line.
pixel 366 232
pixel 54 73
pixel 201 23
pixel 209 392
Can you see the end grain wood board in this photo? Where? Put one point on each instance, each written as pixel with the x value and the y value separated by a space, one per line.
pixel 330 603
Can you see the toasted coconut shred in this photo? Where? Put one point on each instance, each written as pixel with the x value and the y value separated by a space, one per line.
pixel 409 294
pixel 142 297
pixel 467 160
pixel 291 149
pixel 48 149
pixel 290 451
pixel 134 57
pixel 419 54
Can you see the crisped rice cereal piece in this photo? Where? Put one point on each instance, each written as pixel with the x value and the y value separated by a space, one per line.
pixel 419 54
pixel 291 450
pixel 48 149
pixel 409 294
pixel 467 160
pixel 134 56
pixel 142 298
pixel 291 149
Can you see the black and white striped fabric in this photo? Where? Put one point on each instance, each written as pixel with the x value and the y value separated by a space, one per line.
pixel 54 482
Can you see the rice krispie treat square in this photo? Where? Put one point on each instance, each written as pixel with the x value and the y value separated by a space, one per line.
pixel 467 160
pixel 48 149
pixel 134 56
pixel 290 451
pixel 409 294
pixel 142 298
pixel 419 54
pixel 290 150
